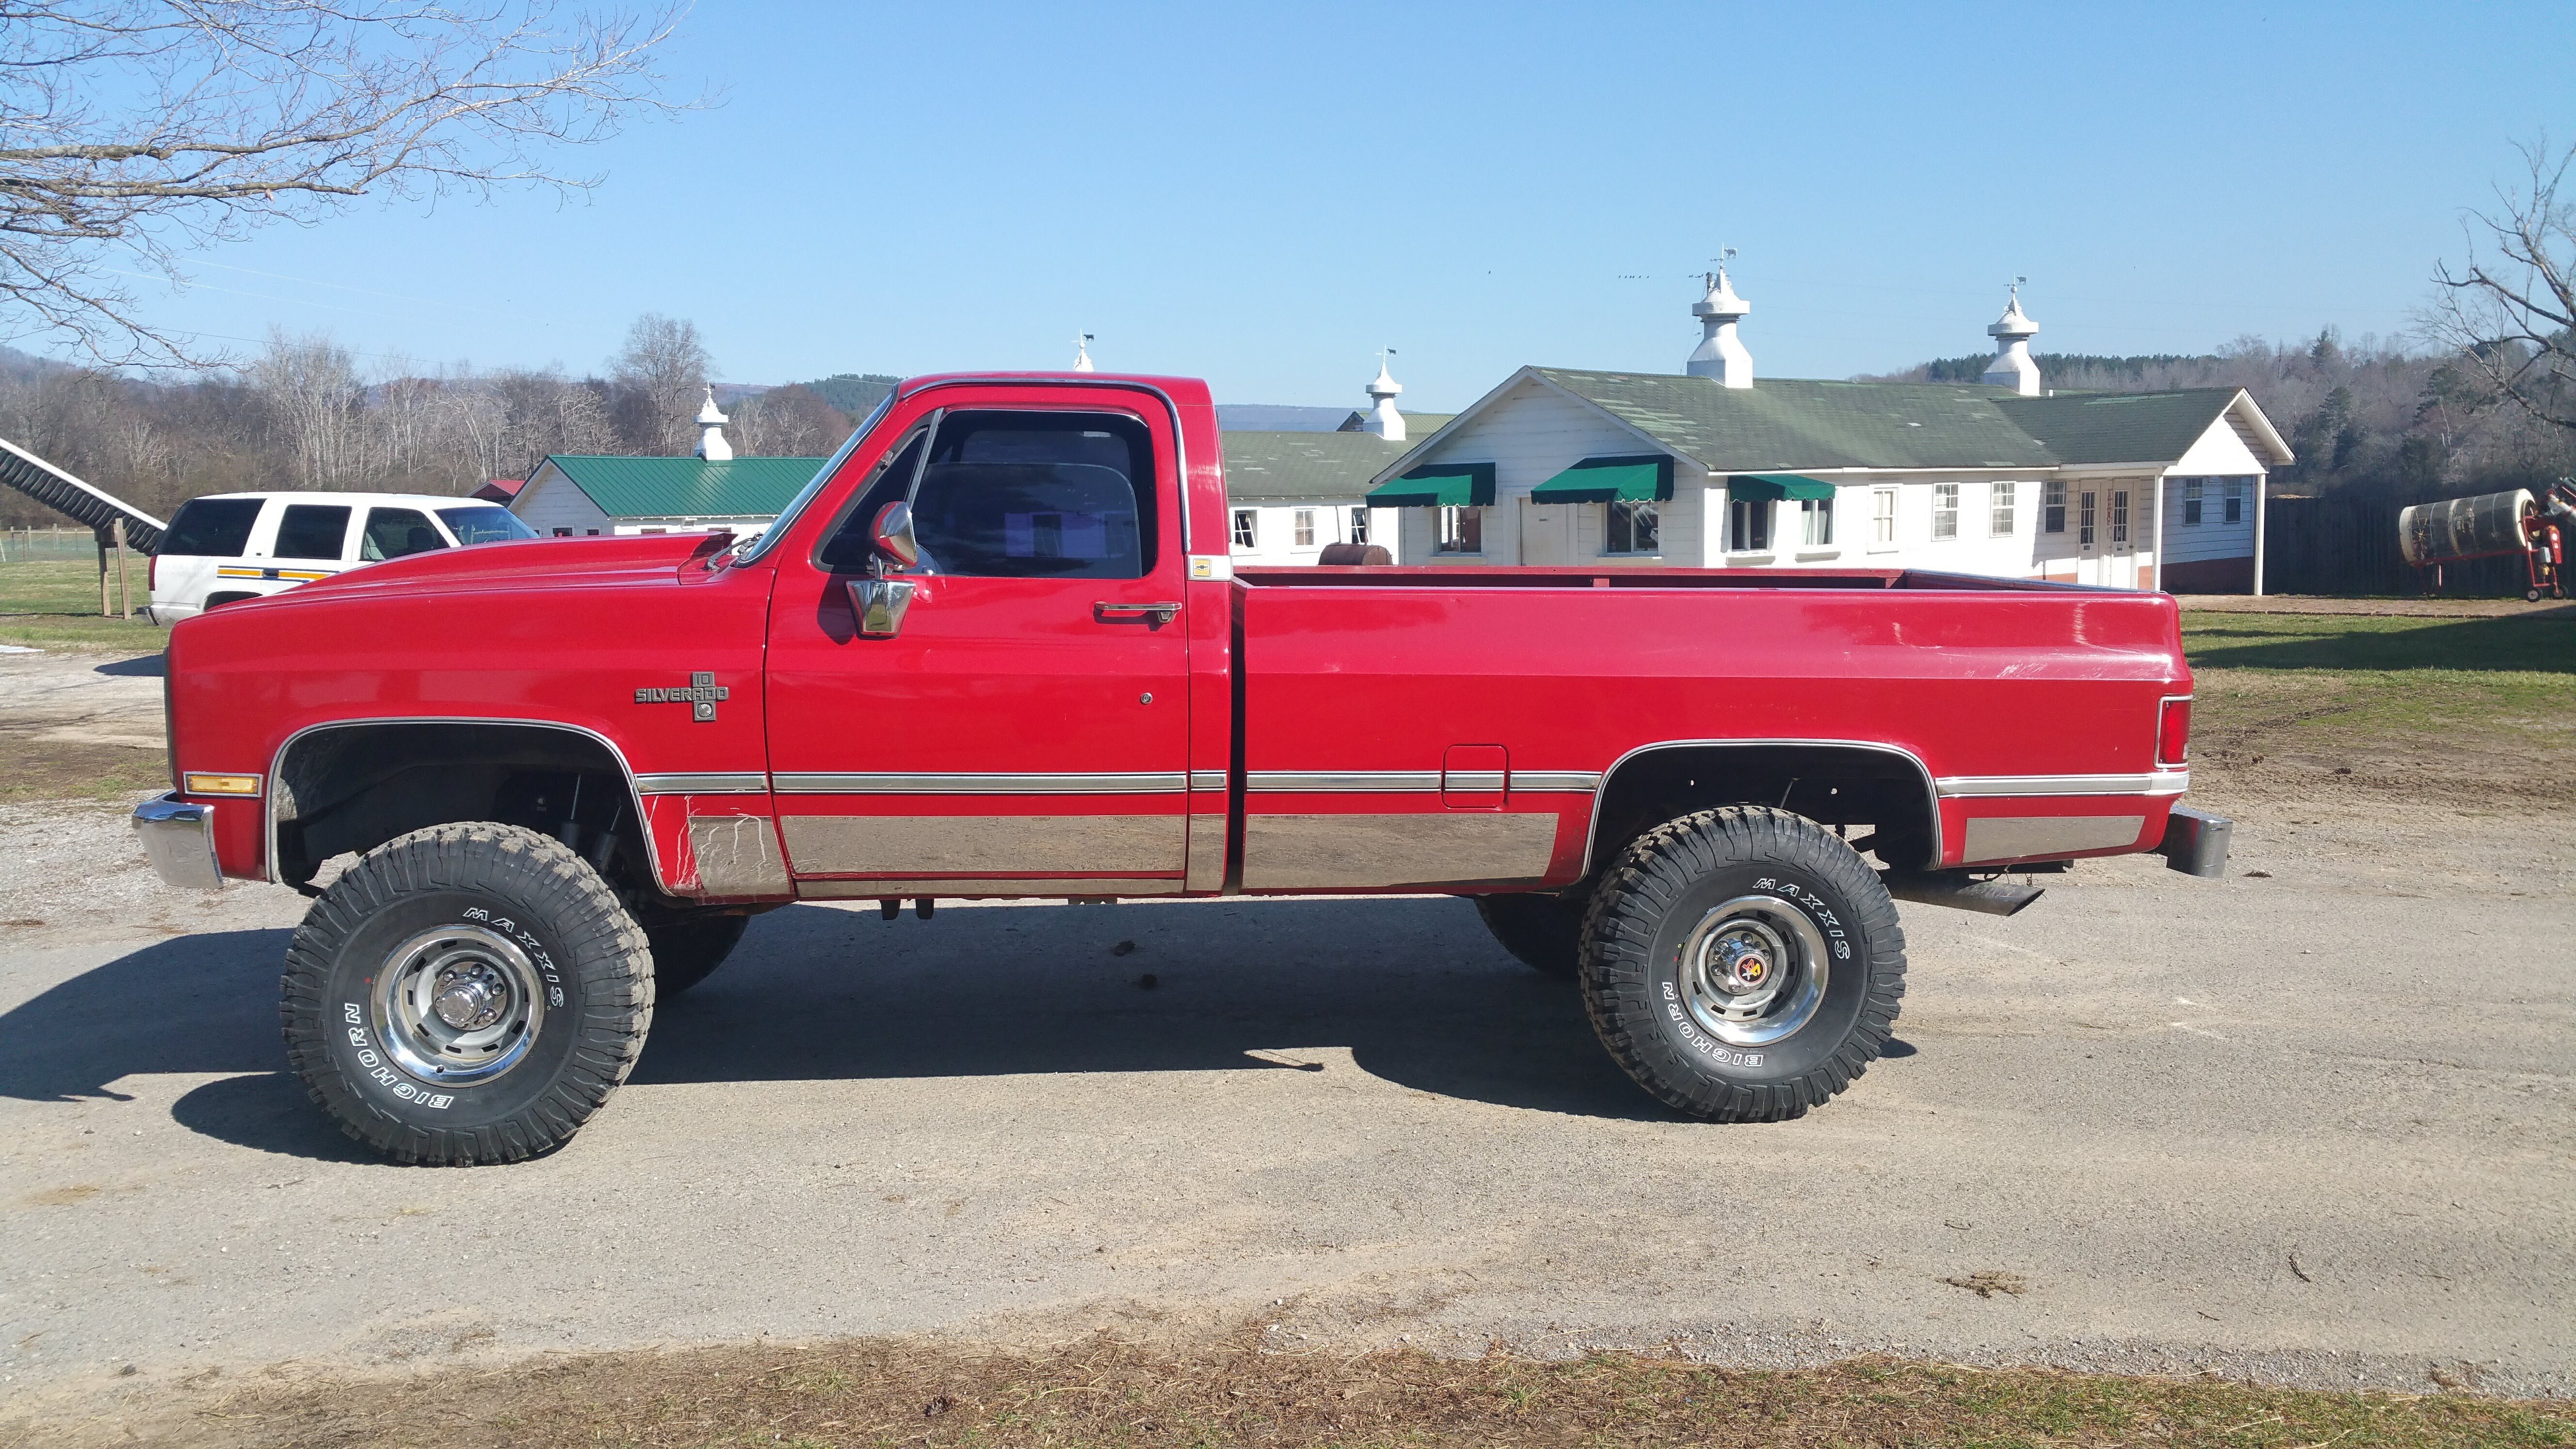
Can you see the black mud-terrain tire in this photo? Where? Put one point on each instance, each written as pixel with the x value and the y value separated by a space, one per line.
pixel 1544 932
pixel 571 997
pixel 1807 891
pixel 688 948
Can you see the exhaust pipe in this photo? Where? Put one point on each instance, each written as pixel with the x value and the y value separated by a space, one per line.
pixel 1955 889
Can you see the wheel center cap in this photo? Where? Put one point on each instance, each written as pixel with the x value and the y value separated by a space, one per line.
pixel 469 1001
pixel 1741 967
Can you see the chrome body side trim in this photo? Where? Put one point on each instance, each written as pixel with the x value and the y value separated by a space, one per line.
pixel 1973 787
pixel 178 839
pixel 1592 832
pixel 1334 782
pixel 1207 780
pixel 917 782
pixel 1347 852
pixel 988 887
pixel 715 782
pixel 2023 837
pixel 1571 782
pixel 998 845
pixel 635 797
pixel 1472 782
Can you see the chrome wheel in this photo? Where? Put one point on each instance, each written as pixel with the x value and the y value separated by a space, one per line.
pixel 457 1005
pixel 1752 971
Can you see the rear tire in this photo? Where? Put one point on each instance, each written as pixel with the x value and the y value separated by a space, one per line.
pixel 465 994
pixel 688 948
pixel 1544 932
pixel 1743 965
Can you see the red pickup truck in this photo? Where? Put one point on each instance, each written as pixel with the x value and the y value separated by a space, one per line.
pixel 997 649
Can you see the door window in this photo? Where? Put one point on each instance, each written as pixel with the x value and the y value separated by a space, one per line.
pixel 2084 520
pixel 211 528
pixel 312 530
pixel 2120 515
pixel 395 532
pixel 1037 495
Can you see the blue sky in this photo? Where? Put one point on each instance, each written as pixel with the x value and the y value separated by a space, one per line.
pixel 1265 195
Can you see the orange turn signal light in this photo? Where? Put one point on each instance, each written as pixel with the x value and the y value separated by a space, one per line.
pixel 194 784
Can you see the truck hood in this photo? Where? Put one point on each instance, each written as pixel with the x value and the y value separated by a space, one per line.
pixel 535 562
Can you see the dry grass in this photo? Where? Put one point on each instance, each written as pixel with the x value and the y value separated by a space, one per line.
pixel 1103 1392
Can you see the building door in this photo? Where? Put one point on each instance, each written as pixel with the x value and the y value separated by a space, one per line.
pixel 2123 570
pixel 1025 719
pixel 2088 537
pixel 1547 532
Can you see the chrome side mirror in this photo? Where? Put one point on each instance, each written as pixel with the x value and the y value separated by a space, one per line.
pixel 891 536
pixel 879 604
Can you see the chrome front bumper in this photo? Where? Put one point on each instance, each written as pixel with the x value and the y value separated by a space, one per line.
pixel 179 839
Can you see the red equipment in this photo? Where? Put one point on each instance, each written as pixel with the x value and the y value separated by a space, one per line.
pixel 2494 525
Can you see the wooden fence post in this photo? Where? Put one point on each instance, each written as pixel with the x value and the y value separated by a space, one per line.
pixel 99 537
pixel 124 580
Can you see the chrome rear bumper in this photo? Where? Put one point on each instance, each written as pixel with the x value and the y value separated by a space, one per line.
pixel 179 839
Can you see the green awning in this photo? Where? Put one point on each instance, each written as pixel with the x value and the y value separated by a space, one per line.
pixel 1438 485
pixel 1599 480
pixel 1771 487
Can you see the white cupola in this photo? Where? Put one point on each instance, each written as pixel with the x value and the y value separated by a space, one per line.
pixel 1383 419
pixel 711 439
pixel 1721 354
pixel 1082 352
pixel 2013 367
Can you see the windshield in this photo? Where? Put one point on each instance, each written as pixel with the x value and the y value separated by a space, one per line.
pixel 778 527
pixel 484 523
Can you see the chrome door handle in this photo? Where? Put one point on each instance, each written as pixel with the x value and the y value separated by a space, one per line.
pixel 1159 613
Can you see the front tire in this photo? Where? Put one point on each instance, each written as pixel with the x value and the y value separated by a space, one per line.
pixel 1743 965
pixel 466 994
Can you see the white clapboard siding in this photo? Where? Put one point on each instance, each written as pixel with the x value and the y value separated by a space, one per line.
pixel 550 501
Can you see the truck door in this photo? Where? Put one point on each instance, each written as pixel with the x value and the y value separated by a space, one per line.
pixel 1023 730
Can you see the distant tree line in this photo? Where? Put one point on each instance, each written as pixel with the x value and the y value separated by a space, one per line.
pixel 305 414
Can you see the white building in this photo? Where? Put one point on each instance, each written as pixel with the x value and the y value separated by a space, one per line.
pixel 1291 494
pixel 575 495
pixel 1715 468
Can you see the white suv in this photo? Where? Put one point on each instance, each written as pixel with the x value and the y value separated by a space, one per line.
pixel 227 547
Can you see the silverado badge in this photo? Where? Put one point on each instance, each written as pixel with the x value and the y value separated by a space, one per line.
pixel 702 696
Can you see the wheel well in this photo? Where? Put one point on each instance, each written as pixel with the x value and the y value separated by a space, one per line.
pixel 217 601
pixel 1832 784
pixel 351 788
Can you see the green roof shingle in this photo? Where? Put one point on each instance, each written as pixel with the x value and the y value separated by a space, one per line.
pixel 2120 427
pixel 687 487
pixel 1792 424
pixel 1265 467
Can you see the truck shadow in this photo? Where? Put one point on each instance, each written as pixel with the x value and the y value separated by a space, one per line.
pixel 1413 990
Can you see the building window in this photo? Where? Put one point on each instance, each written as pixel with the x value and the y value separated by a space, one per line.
pixel 1359 525
pixel 2052 507
pixel 1635 527
pixel 1748 525
pixel 567 533
pixel 1882 515
pixel 1462 530
pixel 2191 500
pixel 2234 502
pixel 1815 522
pixel 2001 501
pixel 2119 516
pixel 2084 522
pixel 594 533
pixel 1247 531
pixel 1945 510
pixel 1305 528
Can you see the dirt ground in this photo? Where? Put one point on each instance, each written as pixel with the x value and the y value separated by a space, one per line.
pixel 2312 1125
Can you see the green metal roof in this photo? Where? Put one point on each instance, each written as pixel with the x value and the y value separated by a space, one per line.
pixel 1599 480
pixel 1782 424
pixel 2119 427
pixel 1268 467
pixel 1438 485
pixel 1417 426
pixel 687 487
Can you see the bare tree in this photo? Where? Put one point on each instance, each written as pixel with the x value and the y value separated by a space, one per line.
pixel 2511 307
pixel 788 422
pixel 133 129
pixel 661 378
pixel 310 386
